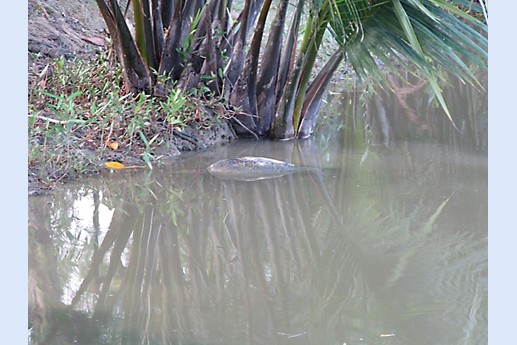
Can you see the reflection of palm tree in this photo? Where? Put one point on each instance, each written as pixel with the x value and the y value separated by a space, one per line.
pixel 401 93
pixel 50 320
pixel 407 112
pixel 308 255
pixel 45 307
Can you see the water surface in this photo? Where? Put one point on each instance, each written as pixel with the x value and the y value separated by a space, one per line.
pixel 385 242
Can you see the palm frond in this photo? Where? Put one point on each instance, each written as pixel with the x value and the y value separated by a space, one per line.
pixel 424 34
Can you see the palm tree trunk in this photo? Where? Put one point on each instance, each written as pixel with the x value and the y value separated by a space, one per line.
pixel 314 95
pixel 266 85
pixel 137 75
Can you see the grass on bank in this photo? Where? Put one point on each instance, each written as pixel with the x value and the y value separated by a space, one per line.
pixel 80 115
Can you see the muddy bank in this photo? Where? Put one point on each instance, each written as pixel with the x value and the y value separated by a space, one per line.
pixel 64 28
pixel 71 28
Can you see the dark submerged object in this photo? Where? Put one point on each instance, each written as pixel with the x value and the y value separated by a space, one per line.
pixel 251 168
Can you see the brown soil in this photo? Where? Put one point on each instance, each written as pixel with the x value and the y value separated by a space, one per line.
pixel 76 28
pixel 63 27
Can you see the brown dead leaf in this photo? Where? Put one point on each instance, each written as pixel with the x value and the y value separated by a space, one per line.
pixel 112 145
pixel 98 41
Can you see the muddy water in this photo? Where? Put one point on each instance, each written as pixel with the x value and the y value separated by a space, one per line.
pixel 384 243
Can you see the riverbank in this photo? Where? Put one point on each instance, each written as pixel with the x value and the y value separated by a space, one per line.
pixel 77 124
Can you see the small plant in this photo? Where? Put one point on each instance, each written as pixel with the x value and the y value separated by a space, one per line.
pixel 147 156
pixel 172 107
pixel 76 108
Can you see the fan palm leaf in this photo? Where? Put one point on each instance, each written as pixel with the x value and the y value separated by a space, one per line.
pixel 423 34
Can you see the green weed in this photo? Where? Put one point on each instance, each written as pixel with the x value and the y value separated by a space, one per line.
pixel 76 107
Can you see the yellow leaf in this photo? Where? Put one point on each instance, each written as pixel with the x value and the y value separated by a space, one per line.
pixel 118 166
pixel 114 165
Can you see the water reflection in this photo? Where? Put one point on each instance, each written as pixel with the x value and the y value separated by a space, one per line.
pixel 384 244
pixel 408 111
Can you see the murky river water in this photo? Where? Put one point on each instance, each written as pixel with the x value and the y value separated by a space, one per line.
pixel 384 243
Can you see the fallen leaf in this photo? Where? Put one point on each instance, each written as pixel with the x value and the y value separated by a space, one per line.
pixel 114 165
pixel 98 41
pixel 112 145
pixel 118 166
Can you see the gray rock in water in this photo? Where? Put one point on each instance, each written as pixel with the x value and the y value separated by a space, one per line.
pixel 251 168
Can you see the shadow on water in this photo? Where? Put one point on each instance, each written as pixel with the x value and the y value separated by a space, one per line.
pixel 385 244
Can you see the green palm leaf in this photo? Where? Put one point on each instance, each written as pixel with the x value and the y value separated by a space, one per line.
pixel 425 34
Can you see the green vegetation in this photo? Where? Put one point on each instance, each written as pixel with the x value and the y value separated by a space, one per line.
pixel 78 109
pixel 267 73
pixel 273 83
